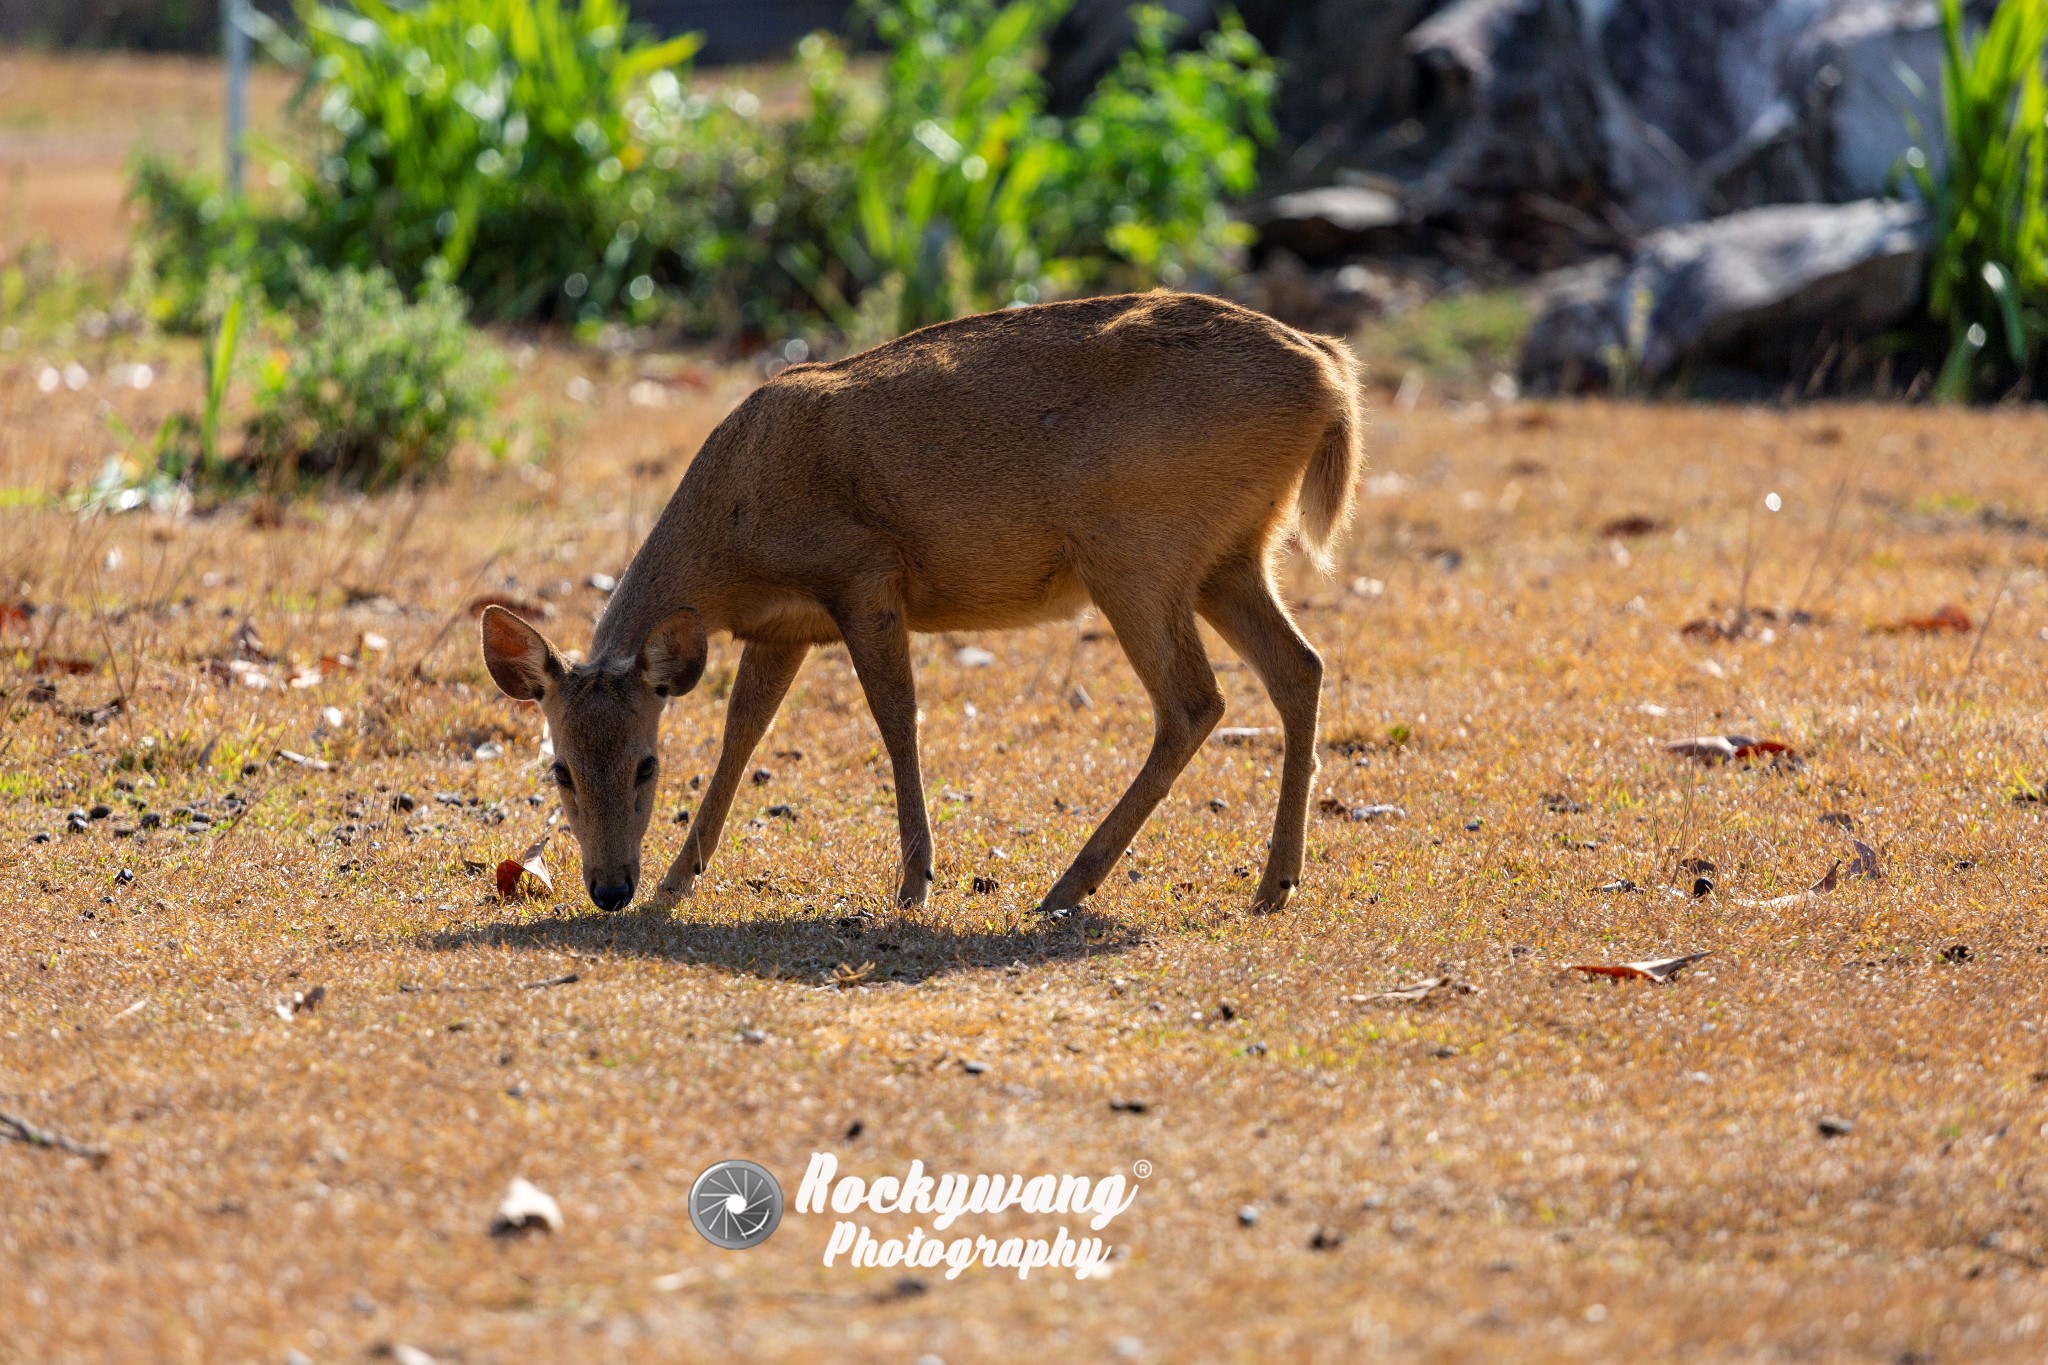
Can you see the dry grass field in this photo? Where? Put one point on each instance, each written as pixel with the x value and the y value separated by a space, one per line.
pixel 1824 1141
pixel 1557 1166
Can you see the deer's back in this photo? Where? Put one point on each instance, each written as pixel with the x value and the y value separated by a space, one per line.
pixel 988 453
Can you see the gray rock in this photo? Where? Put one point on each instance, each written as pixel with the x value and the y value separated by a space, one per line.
pixel 1539 130
pixel 1756 288
pixel 1607 118
pixel 1873 68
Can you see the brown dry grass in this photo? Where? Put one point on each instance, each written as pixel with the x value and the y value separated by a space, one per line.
pixel 1553 1168
pixel 68 123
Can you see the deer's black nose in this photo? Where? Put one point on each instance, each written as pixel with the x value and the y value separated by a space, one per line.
pixel 612 895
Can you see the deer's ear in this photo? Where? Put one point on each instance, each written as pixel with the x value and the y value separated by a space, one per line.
pixel 519 657
pixel 672 660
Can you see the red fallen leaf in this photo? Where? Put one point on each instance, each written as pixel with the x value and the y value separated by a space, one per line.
pixel 1761 746
pixel 1948 616
pixel 532 862
pixel 51 663
pixel 13 614
pixel 517 605
pixel 1655 969
pixel 331 664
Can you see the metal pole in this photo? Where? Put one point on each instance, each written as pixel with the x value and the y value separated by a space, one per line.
pixel 236 35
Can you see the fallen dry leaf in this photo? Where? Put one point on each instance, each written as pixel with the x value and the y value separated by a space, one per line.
pixel 532 862
pixel 1865 862
pixel 1415 992
pixel 14 615
pixel 1630 526
pixel 1948 616
pixel 536 611
pixel 1727 748
pixel 1241 734
pixel 318 765
pixel 526 1208
pixel 52 663
pixel 301 1002
pixel 1656 969
pixel 247 644
pixel 1344 810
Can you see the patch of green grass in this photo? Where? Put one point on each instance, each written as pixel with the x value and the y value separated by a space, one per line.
pixel 1458 342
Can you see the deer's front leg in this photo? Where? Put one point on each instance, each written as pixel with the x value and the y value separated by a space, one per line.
pixel 878 642
pixel 758 687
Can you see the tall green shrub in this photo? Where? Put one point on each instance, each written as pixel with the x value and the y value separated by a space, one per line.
pixel 946 186
pixel 1988 276
pixel 493 136
pixel 556 168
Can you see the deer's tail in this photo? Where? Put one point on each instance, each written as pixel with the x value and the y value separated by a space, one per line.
pixel 1331 481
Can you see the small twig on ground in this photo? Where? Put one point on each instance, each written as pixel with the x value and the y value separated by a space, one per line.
pixel 21 1130
pixel 566 979
pixel 419 668
pixel 235 823
pixel 1827 537
pixel 99 617
pixel 1984 626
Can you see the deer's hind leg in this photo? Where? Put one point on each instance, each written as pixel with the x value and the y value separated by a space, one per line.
pixel 758 687
pixel 1239 601
pixel 1165 650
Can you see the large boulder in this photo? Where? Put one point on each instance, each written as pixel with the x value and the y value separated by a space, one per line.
pixel 1558 126
pixel 1873 73
pixel 1539 129
pixel 1767 290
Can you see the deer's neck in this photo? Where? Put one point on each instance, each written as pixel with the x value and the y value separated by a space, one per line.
pixel 670 572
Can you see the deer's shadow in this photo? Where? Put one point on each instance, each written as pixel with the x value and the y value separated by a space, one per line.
pixel 815 947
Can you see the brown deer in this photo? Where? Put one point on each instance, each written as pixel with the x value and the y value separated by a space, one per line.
pixel 1147 453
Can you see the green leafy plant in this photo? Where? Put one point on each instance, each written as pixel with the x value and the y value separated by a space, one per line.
pixel 555 168
pixel 967 194
pixel 367 387
pixel 1988 276
pixel 494 137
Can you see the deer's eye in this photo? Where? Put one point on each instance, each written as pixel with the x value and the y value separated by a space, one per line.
pixel 646 770
pixel 562 778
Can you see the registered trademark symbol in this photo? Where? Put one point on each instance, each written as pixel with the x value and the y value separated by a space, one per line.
pixel 1141 1168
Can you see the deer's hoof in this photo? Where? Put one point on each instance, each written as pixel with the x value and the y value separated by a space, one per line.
pixel 1272 900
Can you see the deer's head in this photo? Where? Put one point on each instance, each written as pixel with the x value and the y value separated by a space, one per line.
pixel 605 717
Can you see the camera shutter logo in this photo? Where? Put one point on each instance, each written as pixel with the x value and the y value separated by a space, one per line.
pixel 735 1205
